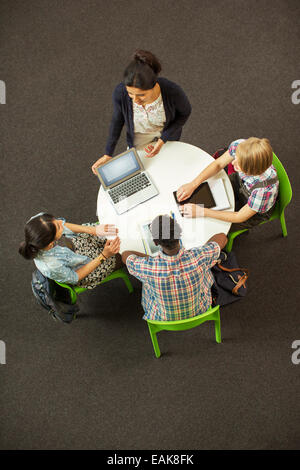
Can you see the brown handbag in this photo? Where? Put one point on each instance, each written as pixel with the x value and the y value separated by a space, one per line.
pixel 230 281
pixel 241 279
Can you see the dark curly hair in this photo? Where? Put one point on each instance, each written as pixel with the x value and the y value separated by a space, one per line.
pixel 165 231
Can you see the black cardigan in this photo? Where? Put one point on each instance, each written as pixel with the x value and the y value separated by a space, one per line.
pixel 177 110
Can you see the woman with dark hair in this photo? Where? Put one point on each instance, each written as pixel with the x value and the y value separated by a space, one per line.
pixel 153 108
pixel 70 253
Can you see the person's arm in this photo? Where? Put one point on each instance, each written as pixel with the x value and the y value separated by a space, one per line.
pixel 115 129
pixel 136 264
pixel 186 190
pixel 208 254
pixel 242 215
pixel 117 121
pixel 127 253
pixel 182 112
pixel 100 230
pixel 220 239
pixel 194 210
pixel 111 248
pixel 81 228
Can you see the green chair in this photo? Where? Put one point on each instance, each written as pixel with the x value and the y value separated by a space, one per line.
pixel 180 325
pixel 284 198
pixel 119 273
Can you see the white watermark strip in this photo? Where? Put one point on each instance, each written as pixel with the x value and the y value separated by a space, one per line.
pixel 2 352
pixel 2 92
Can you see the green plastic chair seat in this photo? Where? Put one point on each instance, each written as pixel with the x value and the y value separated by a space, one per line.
pixel 119 273
pixel 283 199
pixel 180 325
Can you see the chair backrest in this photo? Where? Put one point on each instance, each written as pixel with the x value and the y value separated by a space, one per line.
pixel 285 188
pixel 187 324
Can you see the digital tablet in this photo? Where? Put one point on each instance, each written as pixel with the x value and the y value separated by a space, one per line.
pixel 201 195
pixel 149 245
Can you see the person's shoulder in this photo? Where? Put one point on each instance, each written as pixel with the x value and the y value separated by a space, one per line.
pixel 237 141
pixel 54 257
pixel 43 265
pixel 214 246
pixel 119 91
pixel 271 172
pixel 206 254
pixel 168 85
pixel 232 147
pixel 138 260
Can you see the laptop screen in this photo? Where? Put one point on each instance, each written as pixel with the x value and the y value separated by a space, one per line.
pixel 119 168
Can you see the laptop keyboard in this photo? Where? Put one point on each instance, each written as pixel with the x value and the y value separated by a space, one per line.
pixel 129 187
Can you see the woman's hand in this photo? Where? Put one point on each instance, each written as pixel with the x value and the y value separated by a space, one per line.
pixel 100 162
pixel 106 230
pixel 185 191
pixel 112 247
pixel 192 210
pixel 152 150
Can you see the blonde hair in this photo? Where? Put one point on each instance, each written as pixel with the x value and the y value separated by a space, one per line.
pixel 254 155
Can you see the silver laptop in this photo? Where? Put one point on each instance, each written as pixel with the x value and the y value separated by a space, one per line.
pixel 125 181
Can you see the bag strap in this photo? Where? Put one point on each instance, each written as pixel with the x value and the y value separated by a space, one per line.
pixel 264 184
pixel 242 282
pixel 245 270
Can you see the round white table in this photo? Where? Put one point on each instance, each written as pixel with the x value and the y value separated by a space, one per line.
pixel 177 163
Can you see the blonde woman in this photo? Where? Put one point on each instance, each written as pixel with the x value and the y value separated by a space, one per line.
pixel 255 184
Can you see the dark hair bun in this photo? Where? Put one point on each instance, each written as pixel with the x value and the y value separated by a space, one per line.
pixel 40 230
pixel 146 57
pixel 27 250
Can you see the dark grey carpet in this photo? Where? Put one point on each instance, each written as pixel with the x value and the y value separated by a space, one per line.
pixel 96 383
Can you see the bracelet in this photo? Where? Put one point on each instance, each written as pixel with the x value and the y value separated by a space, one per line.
pixel 103 255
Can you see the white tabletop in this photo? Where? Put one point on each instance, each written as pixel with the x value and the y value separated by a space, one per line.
pixel 177 163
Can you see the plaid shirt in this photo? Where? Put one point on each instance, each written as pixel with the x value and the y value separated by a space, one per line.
pixel 176 287
pixel 261 199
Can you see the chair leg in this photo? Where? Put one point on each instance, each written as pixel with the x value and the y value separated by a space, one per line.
pixel 231 237
pixel 283 225
pixel 73 297
pixel 120 273
pixel 218 328
pixel 154 341
pixel 228 247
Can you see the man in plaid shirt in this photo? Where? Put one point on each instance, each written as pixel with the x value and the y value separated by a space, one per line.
pixel 177 282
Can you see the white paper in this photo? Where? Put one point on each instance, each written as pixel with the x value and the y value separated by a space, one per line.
pixel 219 193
